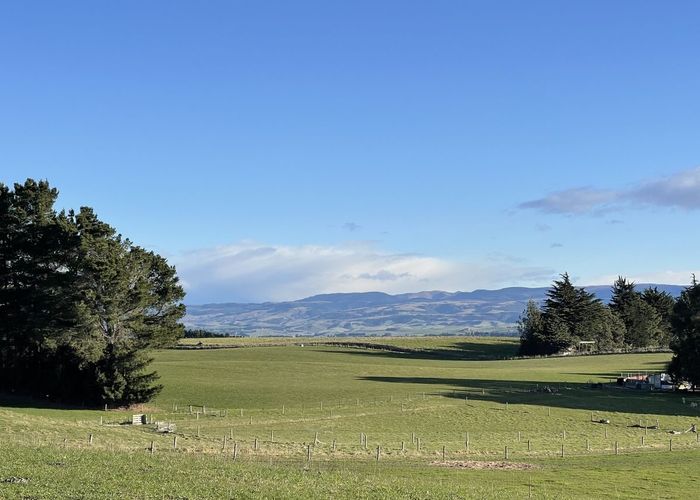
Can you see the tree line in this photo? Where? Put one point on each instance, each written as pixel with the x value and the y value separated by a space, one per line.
pixel 632 319
pixel 80 306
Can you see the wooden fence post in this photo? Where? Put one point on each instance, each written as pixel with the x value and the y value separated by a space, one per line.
pixel 90 440
pixel 174 442
pixel 505 453
pixel 153 447
pixel 308 453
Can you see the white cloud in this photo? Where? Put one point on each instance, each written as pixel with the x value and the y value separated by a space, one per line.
pixel 249 271
pixel 680 190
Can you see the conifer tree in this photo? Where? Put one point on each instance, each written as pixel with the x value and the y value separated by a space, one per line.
pixel 79 305
pixel 531 328
pixel 643 325
pixel 685 364
pixel 663 304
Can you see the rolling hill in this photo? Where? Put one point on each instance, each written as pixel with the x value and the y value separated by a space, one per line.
pixel 377 313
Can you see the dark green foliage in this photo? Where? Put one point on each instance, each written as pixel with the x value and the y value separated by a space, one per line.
pixel 623 293
pixel 601 325
pixel 78 304
pixel 203 334
pixel 569 315
pixel 531 328
pixel 663 304
pixel 685 344
pixel 643 324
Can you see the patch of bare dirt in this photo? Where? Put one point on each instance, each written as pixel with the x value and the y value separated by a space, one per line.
pixel 479 464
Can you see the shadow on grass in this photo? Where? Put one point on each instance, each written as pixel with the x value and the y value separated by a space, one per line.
pixel 580 396
pixel 22 401
pixel 462 351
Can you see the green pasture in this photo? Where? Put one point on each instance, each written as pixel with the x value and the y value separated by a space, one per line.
pixel 434 346
pixel 343 406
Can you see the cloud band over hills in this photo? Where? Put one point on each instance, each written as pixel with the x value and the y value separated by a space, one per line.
pixel 253 272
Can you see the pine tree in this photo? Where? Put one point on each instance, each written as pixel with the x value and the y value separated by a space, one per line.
pixel 567 310
pixel 531 328
pixel 33 284
pixel 642 322
pixel 663 304
pixel 623 293
pixel 685 364
pixel 601 325
pixel 79 305
pixel 130 300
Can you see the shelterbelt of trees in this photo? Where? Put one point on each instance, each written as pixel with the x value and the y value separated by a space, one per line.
pixel 80 306
pixel 632 319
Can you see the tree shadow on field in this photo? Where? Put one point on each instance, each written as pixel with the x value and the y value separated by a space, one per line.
pixel 8 400
pixel 580 396
pixel 460 351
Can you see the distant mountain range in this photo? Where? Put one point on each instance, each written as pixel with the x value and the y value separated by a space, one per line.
pixel 377 313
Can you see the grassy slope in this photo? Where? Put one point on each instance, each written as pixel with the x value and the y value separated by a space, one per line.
pixel 320 386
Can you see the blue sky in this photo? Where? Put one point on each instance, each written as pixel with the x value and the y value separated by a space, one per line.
pixel 274 150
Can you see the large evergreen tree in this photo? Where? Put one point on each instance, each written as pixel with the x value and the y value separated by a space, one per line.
pixel 569 315
pixel 685 364
pixel 531 329
pixel 643 327
pixel 34 278
pixel 663 304
pixel 129 301
pixel 79 305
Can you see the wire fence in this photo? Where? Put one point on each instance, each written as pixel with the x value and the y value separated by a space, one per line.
pixel 225 432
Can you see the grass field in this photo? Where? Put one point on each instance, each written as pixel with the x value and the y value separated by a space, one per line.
pixel 277 404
